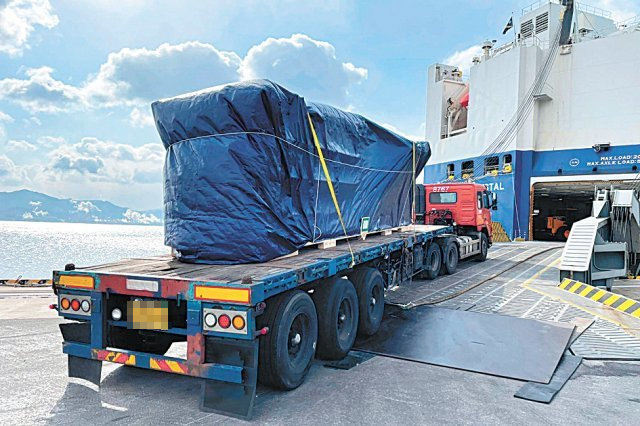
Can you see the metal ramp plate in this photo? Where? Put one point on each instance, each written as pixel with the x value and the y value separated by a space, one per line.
pixel 492 344
pixel 576 255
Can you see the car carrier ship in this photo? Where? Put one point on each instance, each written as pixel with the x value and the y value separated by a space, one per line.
pixel 542 120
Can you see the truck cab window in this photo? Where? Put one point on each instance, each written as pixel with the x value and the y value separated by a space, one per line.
pixel 443 197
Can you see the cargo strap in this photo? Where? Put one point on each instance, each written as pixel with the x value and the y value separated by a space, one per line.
pixel 330 185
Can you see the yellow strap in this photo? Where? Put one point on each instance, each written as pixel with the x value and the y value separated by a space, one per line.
pixel 330 184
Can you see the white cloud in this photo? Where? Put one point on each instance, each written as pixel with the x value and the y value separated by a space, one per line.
pixel 20 145
pixel 133 77
pixel 132 216
pixel 106 161
pixel 462 58
pixel 40 92
pixel 5 117
pixel 142 75
pixel 304 65
pixel 18 19
pixel 85 206
pixel 139 117
pixel 10 174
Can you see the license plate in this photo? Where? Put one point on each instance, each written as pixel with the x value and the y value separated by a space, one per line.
pixel 148 314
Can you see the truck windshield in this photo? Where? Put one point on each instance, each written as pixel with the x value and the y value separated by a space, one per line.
pixel 443 197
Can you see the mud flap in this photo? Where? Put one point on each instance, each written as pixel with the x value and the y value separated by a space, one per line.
pixel 87 369
pixel 231 399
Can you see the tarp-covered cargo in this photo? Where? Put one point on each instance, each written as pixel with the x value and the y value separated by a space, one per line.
pixel 243 180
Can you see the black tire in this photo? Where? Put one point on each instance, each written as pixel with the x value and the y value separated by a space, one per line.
pixel 133 340
pixel 337 305
pixel 287 350
pixel 560 234
pixel 369 285
pixel 484 248
pixel 432 262
pixel 450 257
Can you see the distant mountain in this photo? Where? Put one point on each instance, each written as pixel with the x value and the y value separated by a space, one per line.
pixel 36 207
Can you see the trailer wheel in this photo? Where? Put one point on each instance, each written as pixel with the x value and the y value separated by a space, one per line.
pixel 562 234
pixel 337 305
pixel 432 262
pixel 369 286
pixel 450 256
pixel 484 248
pixel 286 351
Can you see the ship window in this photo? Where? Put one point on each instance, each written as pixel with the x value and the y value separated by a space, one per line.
pixel 451 170
pixel 506 163
pixel 491 165
pixel 467 169
pixel 443 197
pixel 542 22
pixel 526 28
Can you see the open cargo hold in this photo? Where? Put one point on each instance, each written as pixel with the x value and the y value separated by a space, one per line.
pixel 243 180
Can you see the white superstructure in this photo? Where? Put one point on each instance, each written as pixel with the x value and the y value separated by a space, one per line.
pixel 549 106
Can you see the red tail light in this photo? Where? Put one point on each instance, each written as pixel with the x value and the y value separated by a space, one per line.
pixel 224 321
pixel 75 304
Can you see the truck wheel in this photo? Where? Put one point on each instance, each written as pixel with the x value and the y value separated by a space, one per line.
pixel 432 262
pixel 450 257
pixel 484 248
pixel 286 351
pixel 133 340
pixel 369 286
pixel 562 234
pixel 337 304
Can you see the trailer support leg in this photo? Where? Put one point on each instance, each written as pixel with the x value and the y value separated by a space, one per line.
pixel 231 399
pixel 87 369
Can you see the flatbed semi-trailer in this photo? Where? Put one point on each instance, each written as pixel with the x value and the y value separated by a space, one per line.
pixel 244 323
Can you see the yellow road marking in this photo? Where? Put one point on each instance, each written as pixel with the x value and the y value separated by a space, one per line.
pixel 598 295
pixel 610 301
pixel 587 289
pixel 575 287
pixel 153 364
pixel 627 304
pixel 131 360
pixel 636 313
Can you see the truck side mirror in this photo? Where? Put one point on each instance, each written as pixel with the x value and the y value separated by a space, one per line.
pixel 494 201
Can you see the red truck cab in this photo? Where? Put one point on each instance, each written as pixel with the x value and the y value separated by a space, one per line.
pixel 466 206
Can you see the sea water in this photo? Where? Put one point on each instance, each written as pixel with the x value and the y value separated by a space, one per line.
pixel 34 249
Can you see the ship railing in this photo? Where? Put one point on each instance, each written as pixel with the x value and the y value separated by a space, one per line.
pixel 504 48
pixel 593 10
pixel 534 41
pixel 629 23
pixel 537 4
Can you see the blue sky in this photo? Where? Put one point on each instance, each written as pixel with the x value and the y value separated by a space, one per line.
pixel 77 77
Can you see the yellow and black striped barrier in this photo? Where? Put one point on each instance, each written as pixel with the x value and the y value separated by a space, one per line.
pixel 615 301
pixel 26 283
pixel 499 235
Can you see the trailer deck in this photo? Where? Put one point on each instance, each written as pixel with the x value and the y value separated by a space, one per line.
pixel 309 264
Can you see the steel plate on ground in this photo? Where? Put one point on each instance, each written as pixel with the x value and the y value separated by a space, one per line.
pixel 499 345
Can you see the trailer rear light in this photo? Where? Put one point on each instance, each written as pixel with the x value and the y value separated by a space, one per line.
pixel 65 304
pixel 210 320
pixel 224 321
pixel 76 281
pixel 74 304
pixel 238 322
pixel 223 294
pixel 116 314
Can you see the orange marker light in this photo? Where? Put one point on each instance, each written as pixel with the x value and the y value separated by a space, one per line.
pixel 238 322
pixel 65 304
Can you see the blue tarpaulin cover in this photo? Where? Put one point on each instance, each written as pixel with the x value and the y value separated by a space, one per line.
pixel 242 177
